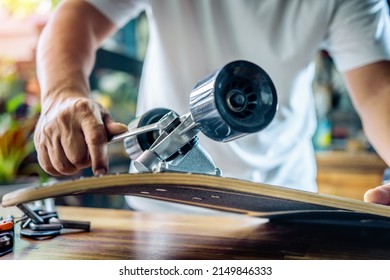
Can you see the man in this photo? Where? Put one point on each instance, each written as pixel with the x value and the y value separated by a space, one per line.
pixel 188 40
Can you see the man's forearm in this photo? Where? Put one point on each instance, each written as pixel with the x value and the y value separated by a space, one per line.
pixel 66 49
pixel 375 116
pixel 370 92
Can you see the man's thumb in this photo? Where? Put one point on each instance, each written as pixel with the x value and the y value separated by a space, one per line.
pixel 114 128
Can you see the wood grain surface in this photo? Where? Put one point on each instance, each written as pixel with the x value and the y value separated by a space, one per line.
pixel 200 190
pixel 122 234
pixel 348 174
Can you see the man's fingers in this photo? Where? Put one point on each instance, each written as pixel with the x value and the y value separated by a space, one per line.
pixel 379 195
pixel 45 163
pixel 60 161
pixel 113 128
pixel 96 133
pixel 76 149
pixel 96 140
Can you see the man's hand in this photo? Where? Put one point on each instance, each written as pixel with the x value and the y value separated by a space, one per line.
pixel 72 131
pixel 379 195
pixel 72 135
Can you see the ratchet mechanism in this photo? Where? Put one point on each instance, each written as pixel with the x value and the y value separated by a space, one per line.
pixel 232 102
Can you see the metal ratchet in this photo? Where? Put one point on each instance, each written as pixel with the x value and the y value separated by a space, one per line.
pixel 167 121
pixel 137 131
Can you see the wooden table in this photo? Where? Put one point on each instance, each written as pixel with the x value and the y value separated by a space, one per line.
pixel 122 234
pixel 348 174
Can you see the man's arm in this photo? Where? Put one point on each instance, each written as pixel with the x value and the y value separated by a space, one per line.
pixel 72 130
pixel 370 92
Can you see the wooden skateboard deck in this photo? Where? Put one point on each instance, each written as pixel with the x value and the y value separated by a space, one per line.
pixel 220 193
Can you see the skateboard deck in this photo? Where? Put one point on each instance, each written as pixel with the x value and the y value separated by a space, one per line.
pixel 219 193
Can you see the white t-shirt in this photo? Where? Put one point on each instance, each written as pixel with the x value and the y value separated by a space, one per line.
pixel 190 39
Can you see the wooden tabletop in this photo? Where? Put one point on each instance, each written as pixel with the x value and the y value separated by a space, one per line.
pixel 123 234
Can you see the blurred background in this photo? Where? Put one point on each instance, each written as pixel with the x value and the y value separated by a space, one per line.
pixel 114 83
pixel 343 152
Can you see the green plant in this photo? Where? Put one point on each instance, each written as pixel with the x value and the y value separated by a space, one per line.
pixel 15 145
pixel 17 122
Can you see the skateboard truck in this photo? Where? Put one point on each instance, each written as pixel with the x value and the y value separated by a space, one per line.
pixel 234 101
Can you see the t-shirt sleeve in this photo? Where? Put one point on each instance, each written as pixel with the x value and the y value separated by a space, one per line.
pixel 359 33
pixel 119 11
